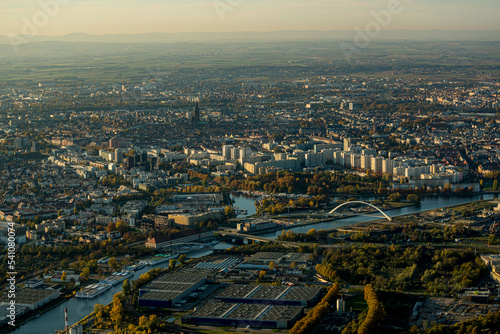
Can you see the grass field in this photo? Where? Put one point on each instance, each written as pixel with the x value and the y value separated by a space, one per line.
pixel 99 62
pixel 357 303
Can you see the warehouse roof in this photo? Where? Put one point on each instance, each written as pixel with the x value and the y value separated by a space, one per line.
pixel 247 311
pixel 30 296
pixel 266 292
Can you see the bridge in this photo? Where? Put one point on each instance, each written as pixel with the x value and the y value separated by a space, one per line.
pixel 184 244
pixel 365 203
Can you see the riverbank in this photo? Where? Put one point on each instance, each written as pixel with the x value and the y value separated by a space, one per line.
pixel 30 315
pixel 257 194
pixel 398 205
pixel 426 204
pixel 373 225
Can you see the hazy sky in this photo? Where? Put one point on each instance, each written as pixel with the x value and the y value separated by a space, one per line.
pixel 142 16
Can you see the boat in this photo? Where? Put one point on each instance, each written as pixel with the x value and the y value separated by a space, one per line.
pixel 212 243
pixel 116 278
pixel 160 258
pixel 136 267
pixel 93 290
pixel 190 248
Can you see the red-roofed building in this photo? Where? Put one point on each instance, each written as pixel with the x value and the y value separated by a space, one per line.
pixel 191 235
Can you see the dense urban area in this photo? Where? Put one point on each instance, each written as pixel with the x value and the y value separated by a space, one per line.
pixel 302 197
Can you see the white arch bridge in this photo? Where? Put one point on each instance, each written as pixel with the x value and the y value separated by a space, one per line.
pixel 365 203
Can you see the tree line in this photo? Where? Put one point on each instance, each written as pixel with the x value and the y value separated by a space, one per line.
pixel 314 316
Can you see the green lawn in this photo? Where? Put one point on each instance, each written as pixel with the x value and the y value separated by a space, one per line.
pixel 357 303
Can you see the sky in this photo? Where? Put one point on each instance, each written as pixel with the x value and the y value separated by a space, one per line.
pixel 100 17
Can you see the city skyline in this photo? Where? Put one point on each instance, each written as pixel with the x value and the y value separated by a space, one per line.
pixel 61 17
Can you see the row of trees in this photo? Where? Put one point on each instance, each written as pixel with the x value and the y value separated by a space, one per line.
pixel 311 236
pixel 369 321
pixel 396 197
pixel 322 183
pixel 314 316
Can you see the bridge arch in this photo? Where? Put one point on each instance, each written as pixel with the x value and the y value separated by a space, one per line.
pixel 360 202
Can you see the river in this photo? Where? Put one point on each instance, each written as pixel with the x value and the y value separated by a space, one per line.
pixel 245 202
pixel 427 203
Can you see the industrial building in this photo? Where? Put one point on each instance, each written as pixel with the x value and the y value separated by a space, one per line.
pixel 31 299
pixel 253 315
pixel 169 289
pixel 254 225
pixel 269 295
pixel 265 258
pixel 476 296
pixel 184 236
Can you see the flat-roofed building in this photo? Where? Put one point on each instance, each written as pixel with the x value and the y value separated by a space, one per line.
pixel 491 260
pixel 481 297
pixel 270 295
pixel 266 257
pixel 192 235
pixel 245 315
pixel 169 289
pixel 31 298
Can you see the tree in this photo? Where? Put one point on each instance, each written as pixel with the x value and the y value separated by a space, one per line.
pixel 272 265
pixel 396 197
pixel 99 312
pixel 126 287
pixel 122 227
pixel 172 263
pixel 495 185
pixel 311 232
pixel 113 263
pixel 111 227
pixel 143 322
pixel 116 313
pixel 153 321
pixel 229 212
pixel 85 274
pixel 375 311
pixel 64 264
pixel 182 259
pixel 413 198
pixel 63 276
pixel 262 274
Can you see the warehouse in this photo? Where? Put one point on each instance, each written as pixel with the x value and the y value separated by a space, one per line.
pixel 243 315
pixel 169 289
pixel 264 294
pixel 32 298
pixel 475 296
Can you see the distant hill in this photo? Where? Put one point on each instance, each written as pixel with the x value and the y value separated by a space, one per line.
pixel 214 37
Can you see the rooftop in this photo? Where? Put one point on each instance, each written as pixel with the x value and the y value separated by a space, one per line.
pixel 265 292
pixel 237 291
pixel 266 256
pixel 179 278
pixel 160 295
pixel 247 311
pixel 29 296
